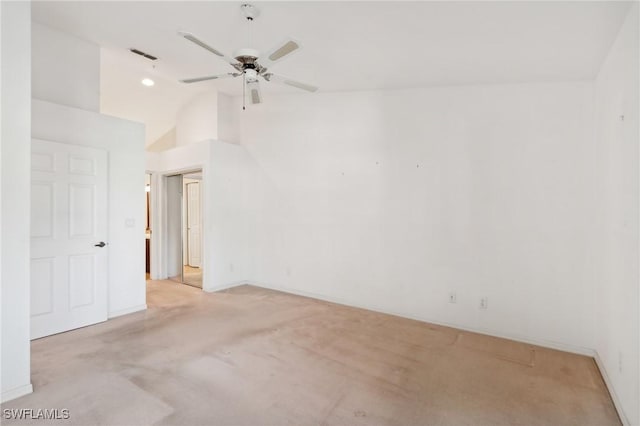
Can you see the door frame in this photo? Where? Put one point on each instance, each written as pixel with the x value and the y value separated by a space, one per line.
pixel 188 241
pixel 154 220
pixel 158 201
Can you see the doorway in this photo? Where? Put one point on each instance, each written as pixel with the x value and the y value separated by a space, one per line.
pixel 184 228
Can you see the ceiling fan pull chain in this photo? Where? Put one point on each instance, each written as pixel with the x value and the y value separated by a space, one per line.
pixel 244 87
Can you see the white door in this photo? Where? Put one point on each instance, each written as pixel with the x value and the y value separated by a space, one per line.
pixel 193 224
pixel 68 223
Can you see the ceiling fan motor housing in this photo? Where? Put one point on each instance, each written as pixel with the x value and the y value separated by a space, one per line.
pixel 246 54
pixel 248 60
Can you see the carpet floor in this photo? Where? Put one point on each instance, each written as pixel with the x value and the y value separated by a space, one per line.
pixel 251 356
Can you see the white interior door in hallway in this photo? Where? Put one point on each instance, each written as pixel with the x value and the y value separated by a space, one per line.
pixel 193 225
pixel 68 237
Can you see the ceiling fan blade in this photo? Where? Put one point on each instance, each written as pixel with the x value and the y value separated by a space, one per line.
pixel 284 80
pixel 209 77
pixel 192 38
pixel 255 95
pixel 281 51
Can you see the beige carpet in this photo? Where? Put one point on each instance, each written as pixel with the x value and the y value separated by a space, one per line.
pixel 250 356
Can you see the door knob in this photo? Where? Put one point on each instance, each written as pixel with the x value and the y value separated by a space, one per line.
pixel 100 244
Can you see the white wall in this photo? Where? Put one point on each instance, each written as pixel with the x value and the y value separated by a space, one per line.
pixel 226 224
pixel 190 157
pixel 616 313
pixel 66 80
pixel 124 141
pixel 153 161
pixel 198 119
pixel 167 141
pixel 15 158
pixel 224 197
pixel 66 69
pixel 391 200
pixel 228 126
pixel 226 173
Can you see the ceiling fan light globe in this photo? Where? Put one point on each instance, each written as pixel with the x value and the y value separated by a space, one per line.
pixel 250 75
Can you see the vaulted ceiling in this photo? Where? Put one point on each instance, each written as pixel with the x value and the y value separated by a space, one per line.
pixel 347 45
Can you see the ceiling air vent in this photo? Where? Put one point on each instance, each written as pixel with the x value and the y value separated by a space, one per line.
pixel 141 53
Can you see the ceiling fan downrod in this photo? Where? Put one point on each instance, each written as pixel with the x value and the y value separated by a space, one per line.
pixel 250 12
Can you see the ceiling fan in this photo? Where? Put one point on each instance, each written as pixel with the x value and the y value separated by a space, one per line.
pixel 249 64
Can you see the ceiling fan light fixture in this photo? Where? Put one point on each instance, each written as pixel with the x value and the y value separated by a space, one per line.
pixel 251 75
pixel 147 82
pixel 250 64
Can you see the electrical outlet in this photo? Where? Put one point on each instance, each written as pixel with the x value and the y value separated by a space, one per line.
pixel 484 303
pixel 288 270
pixel 452 297
pixel 231 267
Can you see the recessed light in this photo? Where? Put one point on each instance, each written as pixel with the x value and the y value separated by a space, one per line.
pixel 148 82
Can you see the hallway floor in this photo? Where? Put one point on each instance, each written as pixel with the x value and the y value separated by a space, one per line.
pixel 250 356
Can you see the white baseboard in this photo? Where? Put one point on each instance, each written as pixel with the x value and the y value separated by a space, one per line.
pixel 537 342
pixel 16 392
pixel 126 311
pixel 612 391
pixel 227 286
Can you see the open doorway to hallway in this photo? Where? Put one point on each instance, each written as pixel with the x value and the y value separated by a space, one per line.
pixel 184 228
